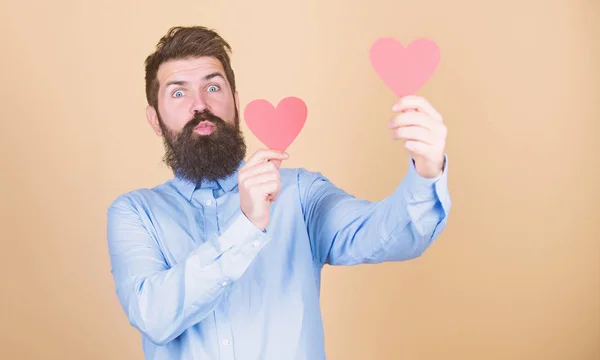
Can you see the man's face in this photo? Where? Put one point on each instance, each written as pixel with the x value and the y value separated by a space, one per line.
pixel 198 119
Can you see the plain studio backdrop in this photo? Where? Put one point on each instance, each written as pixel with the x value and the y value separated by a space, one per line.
pixel 514 276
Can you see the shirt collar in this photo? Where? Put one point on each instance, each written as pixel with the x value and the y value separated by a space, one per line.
pixel 187 188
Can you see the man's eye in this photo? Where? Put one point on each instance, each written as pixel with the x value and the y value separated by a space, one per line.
pixel 212 88
pixel 178 93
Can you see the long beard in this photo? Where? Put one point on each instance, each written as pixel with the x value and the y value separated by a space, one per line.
pixel 211 157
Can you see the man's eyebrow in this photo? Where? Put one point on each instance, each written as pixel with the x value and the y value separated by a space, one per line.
pixel 175 82
pixel 215 74
pixel 206 78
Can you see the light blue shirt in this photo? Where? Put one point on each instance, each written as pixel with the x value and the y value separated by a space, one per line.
pixel 200 281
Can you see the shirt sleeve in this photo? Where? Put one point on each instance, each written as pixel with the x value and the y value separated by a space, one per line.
pixel 162 301
pixel 345 230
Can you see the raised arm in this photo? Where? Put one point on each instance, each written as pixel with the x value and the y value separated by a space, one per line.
pixel 345 230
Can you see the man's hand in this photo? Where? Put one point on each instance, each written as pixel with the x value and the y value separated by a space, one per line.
pixel 259 182
pixel 423 131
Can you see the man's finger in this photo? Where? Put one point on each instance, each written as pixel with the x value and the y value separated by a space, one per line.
pixel 413 133
pixel 417 103
pixel 276 162
pixel 260 168
pixel 411 119
pixel 418 148
pixel 266 154
pixel 259 179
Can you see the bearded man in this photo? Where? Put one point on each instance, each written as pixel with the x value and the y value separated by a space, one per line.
pixel 224 260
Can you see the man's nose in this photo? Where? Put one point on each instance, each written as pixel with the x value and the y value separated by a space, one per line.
pixel 199 104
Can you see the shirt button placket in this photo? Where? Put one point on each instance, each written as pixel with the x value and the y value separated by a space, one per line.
pixel 221 320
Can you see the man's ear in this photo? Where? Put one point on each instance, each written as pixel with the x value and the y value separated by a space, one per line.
pixel 152 118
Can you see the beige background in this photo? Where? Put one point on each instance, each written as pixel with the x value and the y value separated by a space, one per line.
pixel 514 276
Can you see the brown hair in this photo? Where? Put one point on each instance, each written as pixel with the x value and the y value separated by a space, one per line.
pixel 182 43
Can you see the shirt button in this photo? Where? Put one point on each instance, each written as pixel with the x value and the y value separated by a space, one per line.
pixel 224 283
pixel 255 244
pixel 225 342
pixel 209 202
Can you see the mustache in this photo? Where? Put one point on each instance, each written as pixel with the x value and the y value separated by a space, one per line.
pixel 203 116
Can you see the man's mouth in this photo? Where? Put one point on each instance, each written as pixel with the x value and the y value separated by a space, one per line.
pixel 205 128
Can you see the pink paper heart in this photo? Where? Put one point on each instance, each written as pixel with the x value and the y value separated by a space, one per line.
pixel 276 127
pixel 404 69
